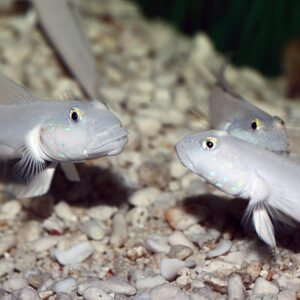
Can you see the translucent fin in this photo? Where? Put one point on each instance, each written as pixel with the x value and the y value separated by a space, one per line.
pixel 28 166
pixel 39 185
pixel 12 93
pixel 70 171
pixel 261 221
pixel 61 21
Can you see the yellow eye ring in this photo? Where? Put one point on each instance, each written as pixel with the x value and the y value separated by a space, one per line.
pixel 75 115
pixel 209 143
pixel 255 124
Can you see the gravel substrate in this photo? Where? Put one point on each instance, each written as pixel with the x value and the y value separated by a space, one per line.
pixel 139 225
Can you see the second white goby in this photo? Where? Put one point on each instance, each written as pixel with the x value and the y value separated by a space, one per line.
pixel 270 181
pixel 44 133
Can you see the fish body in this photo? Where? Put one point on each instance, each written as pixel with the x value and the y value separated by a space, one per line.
pixel 61 21
pixel 242 119
pixel 270 181
pixel 48 131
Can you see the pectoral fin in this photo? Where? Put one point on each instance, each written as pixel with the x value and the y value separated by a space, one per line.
pixel 262 222
pixel 70 171
pixel 40 183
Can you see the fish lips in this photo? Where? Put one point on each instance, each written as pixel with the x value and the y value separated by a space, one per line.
pixel 110 143
pixel 184 157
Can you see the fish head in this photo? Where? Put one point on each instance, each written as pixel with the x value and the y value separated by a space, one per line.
pixel 210 155
pixel 262 130
pixel 80 131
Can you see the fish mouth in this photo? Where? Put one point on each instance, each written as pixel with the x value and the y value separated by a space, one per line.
pixel 108 144
pixel 183 156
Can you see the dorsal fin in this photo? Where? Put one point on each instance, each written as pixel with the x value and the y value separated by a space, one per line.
pixel 12 93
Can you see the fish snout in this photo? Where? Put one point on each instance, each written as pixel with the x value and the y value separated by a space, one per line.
pixel 110 142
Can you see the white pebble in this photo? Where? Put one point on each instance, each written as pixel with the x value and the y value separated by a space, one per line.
pixel 9 210
pixel 178 238
pixel 144 197
pixel 64 211
pixel 119 231
pixel 7 242
pixel 6 266
pixel 235 288
pixel 93 230
pixel 75 254
pixel 94 293
pixel 149 283
pixel 14 284
pixel 168 292
pixel 222 247
pixel 264 286
pixel 66 285
pixel 137 216
pixel 148 126
pixel 169 267
pixel 26 293
pixel 101 212
pixel 157 243
pixel 45 243
pixel 114 284
pixel 53 224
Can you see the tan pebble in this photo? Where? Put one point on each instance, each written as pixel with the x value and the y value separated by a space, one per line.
pixel 178 218
pixel 254 269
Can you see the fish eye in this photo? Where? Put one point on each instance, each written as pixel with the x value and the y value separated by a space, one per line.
pixel 209 143
pixel 255 124
pixel 279 121
pixel 75 114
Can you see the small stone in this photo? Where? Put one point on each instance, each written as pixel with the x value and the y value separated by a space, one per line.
pixel 24 258
pixel 179 218
pixel 15 283
pixel 10 210
pixel 64 211
pixel 101 212
pixel 144 197
pixel 149 282
pixel 119 231
pixel 114 284
pixel 157 243
pixel 94 293
pixel 54 225
pixel 168 292
pixel 235 288
pixel 29 232
pixel 287 294
pixel 137 216
pixel 26 293
pixel 7 242
pixel 93 230
pixel 63 296
pixel 254 269
pixel 6 266
pixel 148 126
pixel 178 238
pixel 222 247
pixel 75 254
pixel 66 285
pixel 217 283
pixel 170 266
pixel 264 286
pixel 45 243
pixel 180 252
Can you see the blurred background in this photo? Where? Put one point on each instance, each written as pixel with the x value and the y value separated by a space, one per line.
pixel 258 33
